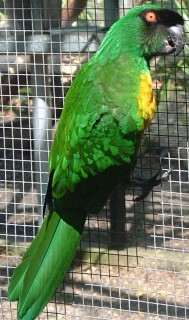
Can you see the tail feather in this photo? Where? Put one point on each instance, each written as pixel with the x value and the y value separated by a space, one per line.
pixel 16 283
pixel 44 266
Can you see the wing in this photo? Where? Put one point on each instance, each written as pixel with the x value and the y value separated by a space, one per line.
pixel 99 127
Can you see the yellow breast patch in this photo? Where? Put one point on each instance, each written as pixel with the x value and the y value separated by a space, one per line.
pixel 146 99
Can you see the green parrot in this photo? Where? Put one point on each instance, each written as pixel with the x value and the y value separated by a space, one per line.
pixel 107 108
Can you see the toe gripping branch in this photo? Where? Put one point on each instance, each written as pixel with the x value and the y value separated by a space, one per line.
pixel 148 184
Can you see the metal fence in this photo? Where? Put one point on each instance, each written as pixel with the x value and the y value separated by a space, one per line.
pixel 42 44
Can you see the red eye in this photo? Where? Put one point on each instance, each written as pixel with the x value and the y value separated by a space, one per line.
pixel 151 16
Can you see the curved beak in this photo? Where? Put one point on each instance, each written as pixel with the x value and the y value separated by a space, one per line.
pixel 174 41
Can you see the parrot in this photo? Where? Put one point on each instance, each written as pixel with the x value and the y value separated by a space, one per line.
pixel 109 105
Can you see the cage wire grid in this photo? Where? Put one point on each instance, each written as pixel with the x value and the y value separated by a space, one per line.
pixel 148 278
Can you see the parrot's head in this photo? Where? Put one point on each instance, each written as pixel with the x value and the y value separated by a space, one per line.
pixel 162 31
pixel 149 30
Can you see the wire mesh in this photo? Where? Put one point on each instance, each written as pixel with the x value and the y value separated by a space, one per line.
pixel 42 45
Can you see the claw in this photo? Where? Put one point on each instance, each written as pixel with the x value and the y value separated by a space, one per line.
pixel 166 175
pixel 148 184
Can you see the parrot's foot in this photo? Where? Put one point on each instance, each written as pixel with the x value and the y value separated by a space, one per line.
pixel 148 184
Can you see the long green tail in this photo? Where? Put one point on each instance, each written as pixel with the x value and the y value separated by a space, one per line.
pixel 43 267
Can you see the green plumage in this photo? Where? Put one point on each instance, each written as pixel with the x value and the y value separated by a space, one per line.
pixel 106 111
